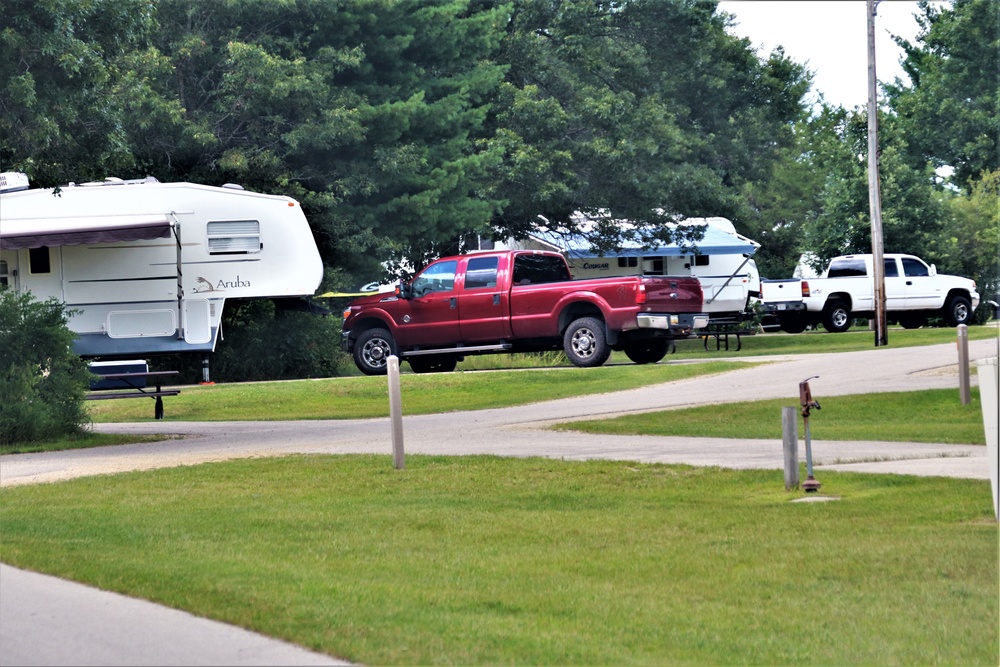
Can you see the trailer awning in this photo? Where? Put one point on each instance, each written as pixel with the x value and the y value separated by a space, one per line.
pixel 16 233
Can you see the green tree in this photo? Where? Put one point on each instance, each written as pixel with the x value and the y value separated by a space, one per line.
pixel 369 111
pixel 912 213
pixel 971 244
pixel 74 76
pixel 43 381
pixel 635 107
pixel 950 113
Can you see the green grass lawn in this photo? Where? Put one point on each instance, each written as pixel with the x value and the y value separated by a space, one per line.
pixel 935 415
pixel 363 397
pixel 485 560
pixel 482 560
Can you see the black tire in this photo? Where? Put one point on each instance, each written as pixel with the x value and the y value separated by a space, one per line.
pixel 837 316
pixel 585 343
pixel 958 310
pixel 911 321
pixel 441 363
pixel 647 351
pixel 372 351
pixel 793 324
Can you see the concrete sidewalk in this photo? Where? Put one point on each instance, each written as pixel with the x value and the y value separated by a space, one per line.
pixel 47 621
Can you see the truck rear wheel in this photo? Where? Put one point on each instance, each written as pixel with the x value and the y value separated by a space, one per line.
pixel 958 310
pixel 837 316
pixel 372 351
pixel 647 351
pixel 585 343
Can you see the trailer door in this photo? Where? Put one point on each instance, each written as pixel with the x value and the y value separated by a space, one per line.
pixel 43 277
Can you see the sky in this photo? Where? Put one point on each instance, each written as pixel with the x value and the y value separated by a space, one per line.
pixel 830 37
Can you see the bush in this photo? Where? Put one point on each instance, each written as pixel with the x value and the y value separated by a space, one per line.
pixel 43 381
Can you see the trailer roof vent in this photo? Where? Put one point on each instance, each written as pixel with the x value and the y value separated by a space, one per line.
pixel 13 181
pixel 232 186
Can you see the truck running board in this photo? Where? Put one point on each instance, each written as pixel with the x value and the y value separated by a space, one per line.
pixel 461 349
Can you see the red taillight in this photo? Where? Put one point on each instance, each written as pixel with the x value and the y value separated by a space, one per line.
pixel 805 288
pixel 640 294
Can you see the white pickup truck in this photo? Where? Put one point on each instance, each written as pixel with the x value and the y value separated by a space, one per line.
pixel 914 291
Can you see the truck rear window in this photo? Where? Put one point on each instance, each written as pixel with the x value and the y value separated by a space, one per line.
pixel 535 269
pixel 847 267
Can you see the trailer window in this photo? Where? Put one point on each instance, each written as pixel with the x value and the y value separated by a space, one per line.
pixel 4 273
pixel 38 261
pixel 627 262
pixel 233 237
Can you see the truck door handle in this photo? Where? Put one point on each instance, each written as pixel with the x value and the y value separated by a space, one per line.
pixel 496 299
pixel 909 282
pixel 452 302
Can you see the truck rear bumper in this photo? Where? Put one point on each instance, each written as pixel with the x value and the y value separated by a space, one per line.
pixel 784 307
pixel 671 322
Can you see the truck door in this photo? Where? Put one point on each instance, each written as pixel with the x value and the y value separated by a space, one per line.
pixel 895 289
pixel 430 317
pixel 921 291
pixel 483 306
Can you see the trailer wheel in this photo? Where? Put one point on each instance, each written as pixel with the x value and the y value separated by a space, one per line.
pixel 372 351
pixel 647 351
pixel 441 363
pixel 585 343
pixel 958 310
pixel 837 316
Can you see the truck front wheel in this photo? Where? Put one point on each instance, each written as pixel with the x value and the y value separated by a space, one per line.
pixel 372 351
pixel 585 343
pixel 958 310
pixel 647 351
pixel 837 316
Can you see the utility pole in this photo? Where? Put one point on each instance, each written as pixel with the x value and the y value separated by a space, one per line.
pixel 874 197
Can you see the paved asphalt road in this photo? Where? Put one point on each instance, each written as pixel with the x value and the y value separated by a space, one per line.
pixel 46 621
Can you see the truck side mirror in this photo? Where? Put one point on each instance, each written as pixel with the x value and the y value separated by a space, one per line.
pixel 933 271
pixel 404 291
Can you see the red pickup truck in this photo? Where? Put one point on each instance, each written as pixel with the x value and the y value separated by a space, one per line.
pixel 519 301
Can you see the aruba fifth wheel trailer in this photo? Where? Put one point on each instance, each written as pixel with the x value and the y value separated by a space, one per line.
pixel 146 267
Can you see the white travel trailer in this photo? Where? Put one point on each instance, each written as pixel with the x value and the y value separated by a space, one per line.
pixel 146 267
pixel 721 260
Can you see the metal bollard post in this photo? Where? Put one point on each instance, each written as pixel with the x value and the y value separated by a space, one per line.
pixel 963 364
pixel 807 402
pixel 395 412
pixel 790 442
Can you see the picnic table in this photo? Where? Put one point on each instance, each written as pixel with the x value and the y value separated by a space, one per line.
pixel 136 388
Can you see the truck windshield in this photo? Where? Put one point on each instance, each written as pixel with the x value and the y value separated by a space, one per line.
pixel 535 269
